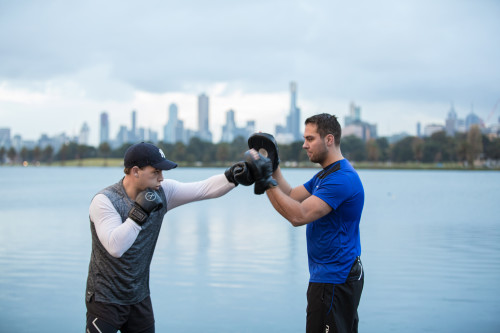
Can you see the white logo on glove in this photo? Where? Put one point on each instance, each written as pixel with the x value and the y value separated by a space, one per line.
pixel 150 196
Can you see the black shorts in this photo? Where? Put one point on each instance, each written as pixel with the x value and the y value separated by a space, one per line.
pixel 333 308
pixel 137 317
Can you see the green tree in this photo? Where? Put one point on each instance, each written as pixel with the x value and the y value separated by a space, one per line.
pixel 223 152
pixel 474 145
pixel 120 151
pixel 62 155
pixel 47 154
pixel 104 151
pixel 296 152
pixel 372 150
pixel 199 150
pixel 384 148
pixel 353 148
pixel 238 147
pixel 417 147
pixel 2 155
pixel 12 154
pixel 25 155
pixel 179 151
pixel 492 149
pixel 37 154
pixel 431 152
pixel 402 151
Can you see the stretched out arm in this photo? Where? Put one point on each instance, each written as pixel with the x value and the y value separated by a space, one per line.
pixel 181 193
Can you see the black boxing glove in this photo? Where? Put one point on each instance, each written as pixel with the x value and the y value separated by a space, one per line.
pixel 266 145
pixel 229 173
pixel 146 202
pixel 242 175
pixel 261 169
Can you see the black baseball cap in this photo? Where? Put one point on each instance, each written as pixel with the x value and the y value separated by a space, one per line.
pixel 144 154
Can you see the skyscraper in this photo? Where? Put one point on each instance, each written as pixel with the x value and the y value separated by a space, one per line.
pixel 104 128
pixel 451 122
pixel 355 126
pixel 228 130
pixel 231 131
pixel 290 132
pixel 203 120
pixel 132 137
pixel 169 132
pixel 5 137
pixel 294 125
pixel 354 115
pixel 83 138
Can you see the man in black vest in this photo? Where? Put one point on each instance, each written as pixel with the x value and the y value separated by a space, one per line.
pixel 125 221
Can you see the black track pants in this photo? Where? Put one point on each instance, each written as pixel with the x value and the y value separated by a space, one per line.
pixel 333 308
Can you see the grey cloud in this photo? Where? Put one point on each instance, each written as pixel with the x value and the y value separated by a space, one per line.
pixel 375 50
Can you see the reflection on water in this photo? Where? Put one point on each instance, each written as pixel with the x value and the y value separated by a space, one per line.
pixel 430 243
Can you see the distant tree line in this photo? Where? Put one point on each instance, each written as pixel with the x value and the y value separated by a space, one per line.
pixel 438 148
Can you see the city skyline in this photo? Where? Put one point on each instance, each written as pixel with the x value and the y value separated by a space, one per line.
pixel 403 62
pixel 174 131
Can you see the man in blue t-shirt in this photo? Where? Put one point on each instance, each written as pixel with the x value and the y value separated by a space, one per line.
pixel 330 204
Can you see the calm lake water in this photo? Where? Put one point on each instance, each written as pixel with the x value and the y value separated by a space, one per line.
pixel 430 249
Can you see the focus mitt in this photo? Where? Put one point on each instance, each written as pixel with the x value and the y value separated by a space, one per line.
pixel 266 145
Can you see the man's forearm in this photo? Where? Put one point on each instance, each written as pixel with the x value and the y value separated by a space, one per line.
pixel 282 183
pixel 289 208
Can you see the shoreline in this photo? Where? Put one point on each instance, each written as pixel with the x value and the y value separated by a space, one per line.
pixel 118 163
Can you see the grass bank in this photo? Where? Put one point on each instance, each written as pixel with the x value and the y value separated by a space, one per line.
pixel 118 162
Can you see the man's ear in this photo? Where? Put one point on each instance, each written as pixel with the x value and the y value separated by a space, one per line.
pixel 330 139
pixel 135 171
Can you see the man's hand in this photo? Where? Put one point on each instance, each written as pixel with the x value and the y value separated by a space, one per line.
pixel 261 169
pixel 146 202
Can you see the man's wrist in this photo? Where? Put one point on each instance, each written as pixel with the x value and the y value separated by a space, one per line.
pixel 138 215
pixel 272 184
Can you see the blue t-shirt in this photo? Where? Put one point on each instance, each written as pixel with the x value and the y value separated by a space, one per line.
pixel 333 240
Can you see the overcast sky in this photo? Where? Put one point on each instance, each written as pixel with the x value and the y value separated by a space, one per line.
pixel 64 62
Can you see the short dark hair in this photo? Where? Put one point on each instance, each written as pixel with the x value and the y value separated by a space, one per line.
pixel 127 171
pixel 327 124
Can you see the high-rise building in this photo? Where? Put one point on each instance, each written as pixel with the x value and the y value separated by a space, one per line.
pixel 104 128
pixel 354 114
pixel 169 130
pixel 83 137
pixel 231 131
pixel 5 137
pixel 133 134
pixel 228 130
pixel 294 126
pixel 203 119
pixel 122 137
pixel 473 119
pixel 355 126
pixel 451 122
pixel 290 132
pixel 180 134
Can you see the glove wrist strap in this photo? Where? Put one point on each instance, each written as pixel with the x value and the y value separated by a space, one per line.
pixel 137 214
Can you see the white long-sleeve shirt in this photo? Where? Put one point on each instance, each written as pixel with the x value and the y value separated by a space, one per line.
pixel 117 236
